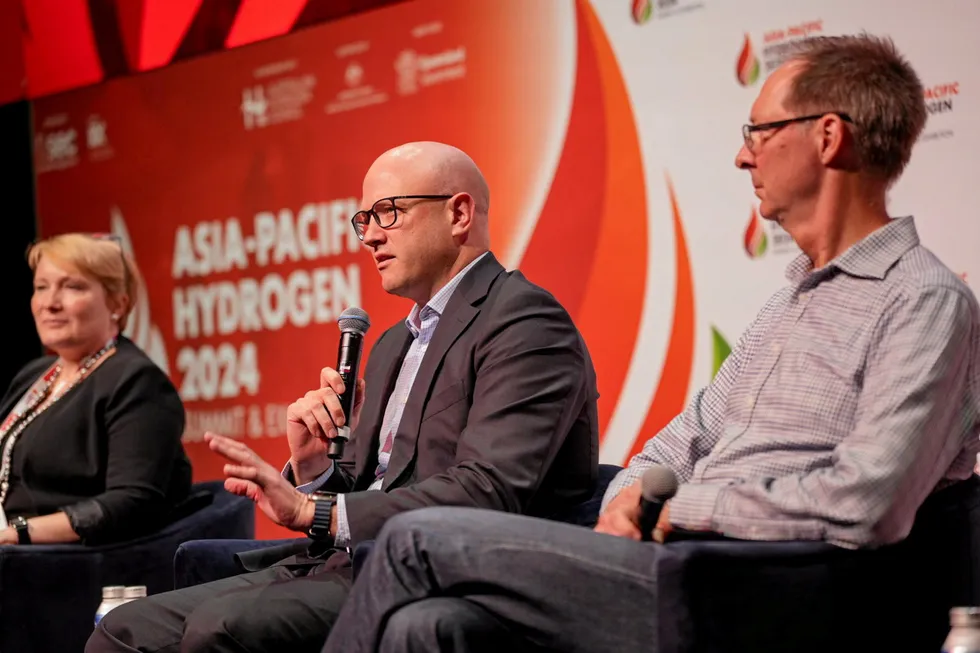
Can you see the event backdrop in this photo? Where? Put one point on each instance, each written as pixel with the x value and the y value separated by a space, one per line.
pixel 607 131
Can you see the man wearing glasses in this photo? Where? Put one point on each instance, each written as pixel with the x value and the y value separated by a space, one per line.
pixel 853 396
pixel 485 396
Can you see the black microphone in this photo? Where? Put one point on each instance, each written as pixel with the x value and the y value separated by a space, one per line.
pixel 658 485
pixel 353 323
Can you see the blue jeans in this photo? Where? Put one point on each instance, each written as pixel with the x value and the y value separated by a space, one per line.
pixel 461 579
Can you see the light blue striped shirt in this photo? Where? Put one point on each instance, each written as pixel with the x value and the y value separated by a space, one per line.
pixel 852 397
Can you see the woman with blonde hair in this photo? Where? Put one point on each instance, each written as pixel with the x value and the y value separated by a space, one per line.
pixel 90 445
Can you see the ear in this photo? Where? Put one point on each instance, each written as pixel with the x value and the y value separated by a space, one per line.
pixel 117 304
pixel 463 210
pixel 835 142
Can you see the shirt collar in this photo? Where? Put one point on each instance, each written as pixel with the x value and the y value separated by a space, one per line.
pixel 871 257
pixel 439 301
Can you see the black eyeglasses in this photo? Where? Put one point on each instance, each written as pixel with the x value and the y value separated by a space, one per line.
pixel 385 212
pixel 748 131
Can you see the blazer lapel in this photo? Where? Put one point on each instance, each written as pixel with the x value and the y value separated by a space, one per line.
pixel 461 310
pixel 395 345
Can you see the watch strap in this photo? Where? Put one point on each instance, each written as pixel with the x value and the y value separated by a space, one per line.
pixel 23 530
pixel 322 509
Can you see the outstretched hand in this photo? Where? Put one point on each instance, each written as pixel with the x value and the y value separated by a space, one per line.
pixel 250 476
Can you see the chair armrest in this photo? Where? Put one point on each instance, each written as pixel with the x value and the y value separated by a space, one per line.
pixel 203 561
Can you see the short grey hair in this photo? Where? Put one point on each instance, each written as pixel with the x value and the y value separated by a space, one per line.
pixel 867 78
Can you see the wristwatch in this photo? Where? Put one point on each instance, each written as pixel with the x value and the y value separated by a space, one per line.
pixel 23 534
pixel 324 502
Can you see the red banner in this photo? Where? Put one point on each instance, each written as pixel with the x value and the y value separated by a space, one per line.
pixel 233 179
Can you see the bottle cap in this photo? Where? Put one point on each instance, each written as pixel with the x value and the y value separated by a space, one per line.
pixel 113 591
pixel 135 592
pixel 968 616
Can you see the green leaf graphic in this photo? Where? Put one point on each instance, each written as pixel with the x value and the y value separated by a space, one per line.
pixel 721 350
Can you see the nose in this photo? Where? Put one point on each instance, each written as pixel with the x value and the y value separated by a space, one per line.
pixel 48 300
pixel 744 159
pixel 373 234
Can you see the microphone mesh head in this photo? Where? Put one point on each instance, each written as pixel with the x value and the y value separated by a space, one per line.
pixel 658 483
pixel 354 319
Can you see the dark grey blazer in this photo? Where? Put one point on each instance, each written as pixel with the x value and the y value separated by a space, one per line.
pixel 502 413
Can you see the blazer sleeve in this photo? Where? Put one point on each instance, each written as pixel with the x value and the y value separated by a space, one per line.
pixel 533 377
pixel 144 421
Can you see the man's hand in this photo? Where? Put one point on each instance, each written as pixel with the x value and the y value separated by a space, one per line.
pixel 663 527
pixel 312 421
pixel 250 476
pixel 622 516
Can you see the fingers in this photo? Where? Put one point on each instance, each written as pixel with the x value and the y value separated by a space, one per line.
pixel 231 449
pixel 243 488
pixel 325 420
pixel 330 378
pixel 244 472
pixel 313 425
pixel 359 393
pixel 319 411
pixel 237 453
pixel 618 523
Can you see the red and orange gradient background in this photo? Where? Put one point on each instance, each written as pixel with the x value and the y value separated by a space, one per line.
pixel 558 144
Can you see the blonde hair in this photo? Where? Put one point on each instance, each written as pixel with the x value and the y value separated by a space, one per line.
pixel 99 257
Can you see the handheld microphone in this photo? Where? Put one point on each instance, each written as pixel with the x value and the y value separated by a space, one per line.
pixel 354 323
pixel 658 485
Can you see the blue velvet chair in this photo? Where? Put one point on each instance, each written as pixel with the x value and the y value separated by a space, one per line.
pixel 207 560
pixel 49 593
pixel 720 595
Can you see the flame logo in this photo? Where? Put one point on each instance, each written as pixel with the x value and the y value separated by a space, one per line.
pixel 140 329
pixel 755 239
pixel 642 11
pixel 747 67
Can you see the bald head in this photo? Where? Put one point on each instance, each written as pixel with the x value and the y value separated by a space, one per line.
pixel 435 203
pixel 437 167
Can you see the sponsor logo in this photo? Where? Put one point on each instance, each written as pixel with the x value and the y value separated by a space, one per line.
pixel 356 92
pixel 644 10
pixel 747 64
pixel 416 70
pixel 941 100
pixel 281 98
pixel 777 45
pixel 755 240
pixel 407 70
pixel 97 139
pixel 255 109
pixel 354 74
pixel 56 145
pixel 763 236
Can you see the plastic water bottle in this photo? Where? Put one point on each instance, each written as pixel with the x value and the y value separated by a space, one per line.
pixel 964 636
pixel 134 592
pixel 112 597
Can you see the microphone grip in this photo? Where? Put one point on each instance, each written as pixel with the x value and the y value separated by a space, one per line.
pixel 649 514
pixel 348 363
